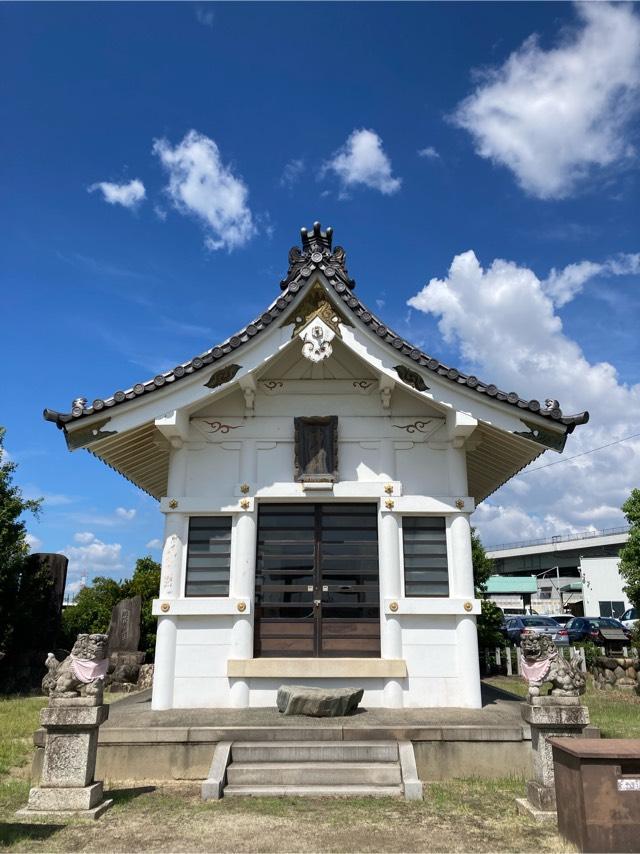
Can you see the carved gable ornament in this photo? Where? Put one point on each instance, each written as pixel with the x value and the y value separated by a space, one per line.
pixel 316 321
pixel 317 337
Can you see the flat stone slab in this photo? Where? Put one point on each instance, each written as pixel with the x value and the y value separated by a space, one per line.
pixel 542 816
pixel 93 813
pixel 318 702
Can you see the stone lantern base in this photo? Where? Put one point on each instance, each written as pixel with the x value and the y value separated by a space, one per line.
pixel 66 785
pixel 548 716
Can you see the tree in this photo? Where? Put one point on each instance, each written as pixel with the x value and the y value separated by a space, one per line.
pixel 91 611
pixel 630 553
pixel 93 605
pixel 146 583
pixel 490 619
pixel 482 565
pixel 13 547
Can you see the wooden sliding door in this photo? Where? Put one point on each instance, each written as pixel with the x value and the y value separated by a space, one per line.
pixel 317 588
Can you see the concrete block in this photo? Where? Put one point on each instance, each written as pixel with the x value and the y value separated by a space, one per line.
pixel 411 784
pixel 335 791
pixel 314 774
pixel 84 798
pixel 301 751
pixel 213 786
pixel 69 758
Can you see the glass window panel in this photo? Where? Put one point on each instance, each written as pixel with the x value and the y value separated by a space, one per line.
pixel 426 570
pixel 208 556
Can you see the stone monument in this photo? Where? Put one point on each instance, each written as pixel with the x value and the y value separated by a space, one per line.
pixel 122 652
pixel 71 720
pixel 558 714
pixel 318 702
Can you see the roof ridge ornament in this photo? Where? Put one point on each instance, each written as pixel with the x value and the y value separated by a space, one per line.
pixel 317 253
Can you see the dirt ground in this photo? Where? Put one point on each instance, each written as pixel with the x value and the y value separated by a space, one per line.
pixel 456 816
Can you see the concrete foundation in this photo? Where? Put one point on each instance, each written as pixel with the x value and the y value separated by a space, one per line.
pixel 138 744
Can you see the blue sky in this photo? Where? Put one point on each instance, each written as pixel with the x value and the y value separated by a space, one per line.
pixel 160 158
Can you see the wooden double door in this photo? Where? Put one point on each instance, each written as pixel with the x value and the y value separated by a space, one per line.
pixel 317 584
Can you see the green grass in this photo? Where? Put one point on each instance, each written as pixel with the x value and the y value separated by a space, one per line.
pixel 616 713
pixel 18 722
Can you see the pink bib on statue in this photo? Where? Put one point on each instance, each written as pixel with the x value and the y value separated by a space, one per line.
pixel 87 670
pixel 536 671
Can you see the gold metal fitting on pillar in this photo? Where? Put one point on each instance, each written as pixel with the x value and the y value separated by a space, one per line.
pixel 244 488
pixel 165 607
pixel 468 606
pixel 242 607
pixel 389 504
pixel 173 504
pixel 388 488
pixel 393 606
pixel 245 504
pixel 460 503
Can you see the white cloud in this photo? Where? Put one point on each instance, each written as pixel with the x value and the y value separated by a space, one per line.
pixel 154 544
pixel 362 160
pixel 205 16
pixel 428 152
pixel 563 285
pixel 552 115
pixel 200 185
pixel 292 172
pixel 93 556
pixel 34 543
pixel 504 309
pixel 128 195
pixel 123 513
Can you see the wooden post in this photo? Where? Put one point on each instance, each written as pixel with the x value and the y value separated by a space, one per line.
pixel 499 658
pixel 583 660
pixel 507 653
pixel 518 667
pixel 625 651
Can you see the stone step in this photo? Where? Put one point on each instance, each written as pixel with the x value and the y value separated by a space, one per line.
pixel 314 751
pixel 314 774
pixel 314 791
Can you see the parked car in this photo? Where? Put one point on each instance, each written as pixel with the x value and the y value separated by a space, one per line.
pixel 563 619
pixel 514 626
pixel 590 628
pixel 630 618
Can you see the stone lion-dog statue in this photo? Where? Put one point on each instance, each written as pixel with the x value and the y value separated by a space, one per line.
pixel 80 674
pixel 542 663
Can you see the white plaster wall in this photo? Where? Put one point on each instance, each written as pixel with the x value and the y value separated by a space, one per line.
pixel 374 446
pixel 601 583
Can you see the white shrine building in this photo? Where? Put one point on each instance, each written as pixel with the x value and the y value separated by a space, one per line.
pixel 317 473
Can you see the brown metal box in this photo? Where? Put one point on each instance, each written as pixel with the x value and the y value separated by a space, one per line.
pixel 598 792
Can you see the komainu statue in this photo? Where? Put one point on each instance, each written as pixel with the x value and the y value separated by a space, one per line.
pixel 541 663
pixel 82 673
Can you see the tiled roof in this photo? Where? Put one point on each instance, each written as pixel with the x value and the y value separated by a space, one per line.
pixel 316 254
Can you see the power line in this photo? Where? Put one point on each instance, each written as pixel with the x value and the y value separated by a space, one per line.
pixel 583 454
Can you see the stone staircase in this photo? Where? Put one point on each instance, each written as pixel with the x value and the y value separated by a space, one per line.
pixel 313 769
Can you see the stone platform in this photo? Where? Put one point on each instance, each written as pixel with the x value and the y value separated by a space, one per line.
pixel 137 743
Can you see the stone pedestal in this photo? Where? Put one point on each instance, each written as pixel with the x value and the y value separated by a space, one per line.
pixel 66 785
pixel 548 717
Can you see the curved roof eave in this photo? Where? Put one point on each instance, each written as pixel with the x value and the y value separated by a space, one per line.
pixel 315 256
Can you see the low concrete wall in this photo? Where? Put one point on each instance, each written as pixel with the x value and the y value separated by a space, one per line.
pixel 435 760
pixel 448 760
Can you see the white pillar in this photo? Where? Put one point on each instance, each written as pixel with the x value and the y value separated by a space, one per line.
pixel 165 663
pixel 170 582
pixel 461 583
pixel 243 586
pixel 390 588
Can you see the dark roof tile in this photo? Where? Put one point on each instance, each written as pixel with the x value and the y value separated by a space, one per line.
pixel 317 254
